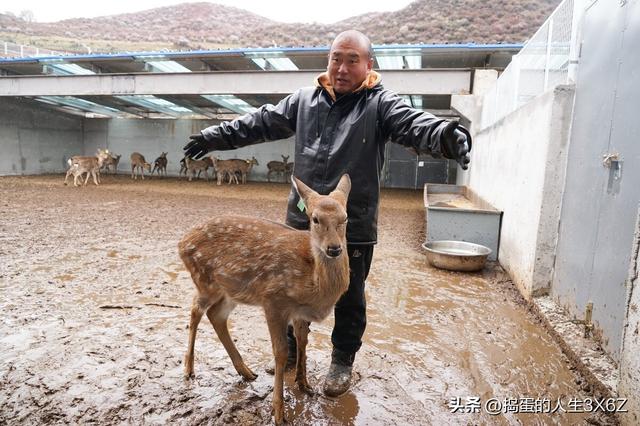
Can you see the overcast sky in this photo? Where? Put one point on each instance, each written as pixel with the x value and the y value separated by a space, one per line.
pixel 325 11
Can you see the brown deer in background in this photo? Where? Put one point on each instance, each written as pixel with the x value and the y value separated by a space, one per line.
pixel 288 171
pixel 194 166
pixel 138 164
pixel 78 165
pixel 242 167
pixel 160 164
pixel 279 167
pixel 111 161
pixel 245 166
pixel 295 276
pixel 224 168
pixel 183 166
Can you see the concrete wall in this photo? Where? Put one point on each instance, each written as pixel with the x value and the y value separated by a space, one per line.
pixel 600 205
pixel 35 139
pixel 518 166
pixel 151 137
pixel 630 361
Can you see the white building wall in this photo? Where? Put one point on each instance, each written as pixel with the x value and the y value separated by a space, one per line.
pixel 35 139
pixel 518 166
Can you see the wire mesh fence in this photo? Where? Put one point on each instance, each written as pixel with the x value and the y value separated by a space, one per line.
pixel 543 63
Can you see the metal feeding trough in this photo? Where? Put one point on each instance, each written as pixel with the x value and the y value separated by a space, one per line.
pixel 456 255
pixel 454 213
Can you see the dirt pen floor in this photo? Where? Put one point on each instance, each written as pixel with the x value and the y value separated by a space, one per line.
pixel 95 306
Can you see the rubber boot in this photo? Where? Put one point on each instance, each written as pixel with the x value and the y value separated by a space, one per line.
pixel 338 379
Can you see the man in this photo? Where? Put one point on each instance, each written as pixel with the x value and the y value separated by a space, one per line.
pixel 341 126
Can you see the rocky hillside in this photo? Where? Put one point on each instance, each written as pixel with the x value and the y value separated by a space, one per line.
pixel 210 26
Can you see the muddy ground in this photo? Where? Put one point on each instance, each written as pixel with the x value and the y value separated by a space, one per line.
pixel 95 306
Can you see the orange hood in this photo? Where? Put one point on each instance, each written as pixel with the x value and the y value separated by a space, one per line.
pixel 370 81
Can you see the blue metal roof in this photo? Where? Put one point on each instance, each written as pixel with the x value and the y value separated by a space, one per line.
pixel 244 51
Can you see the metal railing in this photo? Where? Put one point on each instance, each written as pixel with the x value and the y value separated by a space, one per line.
pixel 548 59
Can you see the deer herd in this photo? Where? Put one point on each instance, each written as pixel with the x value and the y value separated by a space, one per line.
pixel 233 170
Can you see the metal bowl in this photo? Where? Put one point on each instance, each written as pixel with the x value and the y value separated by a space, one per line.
pixel 456 255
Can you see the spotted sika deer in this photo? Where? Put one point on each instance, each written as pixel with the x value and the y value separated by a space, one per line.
pixel 242 167
pixel 78 165
pixel 288 171
pixel 183 167
pixel 295 276
pixel 278 167
pixel 194 166
pixel 160 164
pixel 224 168
pixel 138 164
pixel 184 170
pixel 111 161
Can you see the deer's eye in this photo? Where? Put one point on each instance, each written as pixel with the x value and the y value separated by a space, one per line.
pixel 315 220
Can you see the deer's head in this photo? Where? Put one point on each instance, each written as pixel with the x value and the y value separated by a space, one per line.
pixel 327 216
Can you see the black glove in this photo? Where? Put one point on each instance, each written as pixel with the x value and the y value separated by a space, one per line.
pixel 456 143
pixel 197 146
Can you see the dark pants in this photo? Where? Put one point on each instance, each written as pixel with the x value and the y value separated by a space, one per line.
pixel 351 310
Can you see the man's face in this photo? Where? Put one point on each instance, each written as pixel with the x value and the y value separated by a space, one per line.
pixel 349 64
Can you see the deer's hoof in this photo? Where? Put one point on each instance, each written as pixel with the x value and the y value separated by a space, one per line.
pixel 306 388
pixel 278 414
pixel 247 374
pixel 189 374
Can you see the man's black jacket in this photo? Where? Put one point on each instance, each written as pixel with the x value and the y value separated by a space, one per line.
pixel 334 137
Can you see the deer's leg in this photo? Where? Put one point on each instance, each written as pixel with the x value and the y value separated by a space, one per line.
pixel 278 331
pixel 87 178
pixel 218 315
pixel 132 169
pixel 301 330
pixel 67 175
pixel 197 310
pixel 95 177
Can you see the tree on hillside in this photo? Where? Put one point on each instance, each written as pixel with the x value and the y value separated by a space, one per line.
pixel 27 16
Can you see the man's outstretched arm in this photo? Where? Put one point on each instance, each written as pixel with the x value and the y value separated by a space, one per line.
pixel 268 123
pixel 424 132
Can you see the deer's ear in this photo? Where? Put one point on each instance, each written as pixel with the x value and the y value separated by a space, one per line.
pixel 341 193
pixel 307 194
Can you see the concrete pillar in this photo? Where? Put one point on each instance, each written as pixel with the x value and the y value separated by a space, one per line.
pixel 483 80
pixel 470 108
